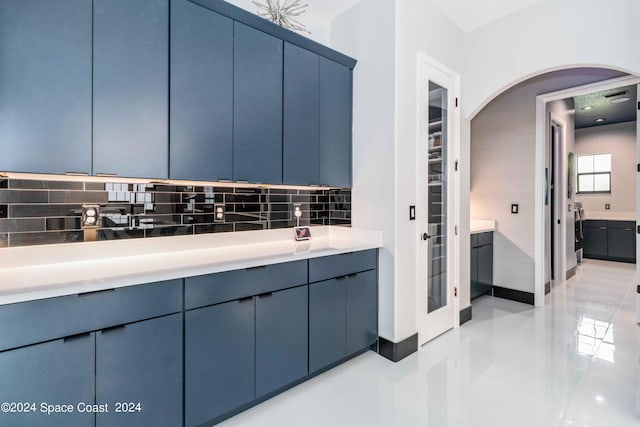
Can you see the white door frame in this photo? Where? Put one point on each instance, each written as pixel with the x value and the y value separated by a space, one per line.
pixel 638 204
pixel 427 70
pixel 560 203
pixel 541 140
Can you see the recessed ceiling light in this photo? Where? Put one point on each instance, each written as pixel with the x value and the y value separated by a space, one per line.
pixel 619 100
pixel 587 108
pixel 600 120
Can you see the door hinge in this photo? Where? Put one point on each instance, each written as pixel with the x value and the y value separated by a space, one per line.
pixel 638 167
pixel 455 292
pixel 639 229
pixel 458 163
pixel 457 103
pixel 638 105
pixel 455 230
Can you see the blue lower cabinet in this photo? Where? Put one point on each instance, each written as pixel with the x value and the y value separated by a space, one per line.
pixel 281 339
pixel 362 311
pixel 139 373
pixel 58 372
pixel 327 323
pixel 219 360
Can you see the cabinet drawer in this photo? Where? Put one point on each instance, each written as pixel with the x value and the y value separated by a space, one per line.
pixel 626 225
pixel 340 265
pixel 42 320
pixel 201 291
pixel 485 239
pixel 595 223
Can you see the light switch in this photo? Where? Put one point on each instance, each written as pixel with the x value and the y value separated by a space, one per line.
pixel 412 213
pixel 515 208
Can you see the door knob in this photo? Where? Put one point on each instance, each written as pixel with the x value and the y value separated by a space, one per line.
pixel 425 236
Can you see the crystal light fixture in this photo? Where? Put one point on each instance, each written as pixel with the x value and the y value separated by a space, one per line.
pixel 283 13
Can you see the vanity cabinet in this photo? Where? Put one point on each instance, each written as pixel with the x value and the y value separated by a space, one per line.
pixel 55 372
pixel 216 343
pixel 343 309
pixel 481 264
pixel 251 342
pixel 140 365
pixel 610 240
pixel 115 346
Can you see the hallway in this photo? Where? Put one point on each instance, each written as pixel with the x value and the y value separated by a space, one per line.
pixel 574 363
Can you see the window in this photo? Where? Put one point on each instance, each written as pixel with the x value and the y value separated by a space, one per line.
pixel 594 173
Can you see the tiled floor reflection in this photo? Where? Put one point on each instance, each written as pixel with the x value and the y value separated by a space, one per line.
pixel 573 363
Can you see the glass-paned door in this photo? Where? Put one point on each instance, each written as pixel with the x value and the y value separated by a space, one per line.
pixel 437 198
pixel 437 189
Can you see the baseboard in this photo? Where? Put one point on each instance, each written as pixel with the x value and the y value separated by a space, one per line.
pixel 465 315
pixel 547 288
pixel 609 258
pixel 571 272
pixel 514 295
pixel 397 351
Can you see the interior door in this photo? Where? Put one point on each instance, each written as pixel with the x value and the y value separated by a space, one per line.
pixel 638 206
pixel 437 162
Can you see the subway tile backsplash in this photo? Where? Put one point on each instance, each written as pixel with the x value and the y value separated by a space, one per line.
pixel 36 212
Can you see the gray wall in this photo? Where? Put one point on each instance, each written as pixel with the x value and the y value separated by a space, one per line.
pixel 502 169
pixel 619 140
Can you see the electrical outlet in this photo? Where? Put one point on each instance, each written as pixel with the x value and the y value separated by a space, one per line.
pixel 219 213
pixel 90 216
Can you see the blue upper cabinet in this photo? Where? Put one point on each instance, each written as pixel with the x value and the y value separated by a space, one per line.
pixel 201 131
pixel 301 115
pixel 335 124
pixel 45 86
pixel 131 86
pixel 257 127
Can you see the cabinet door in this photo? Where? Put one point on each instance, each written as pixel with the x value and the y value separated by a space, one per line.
pixel 257 118
pixel 131 88
pixel 201 139
pixel 219 360
pixel 281 339
pixel 475 286
pixel 621 243
pixel 141 363
pixel 595 242
pixel 57 372
pixel 335 124
pixel 45 86
pixel 327 323
pixel 301 116
pixel 485 268
pixel 362 311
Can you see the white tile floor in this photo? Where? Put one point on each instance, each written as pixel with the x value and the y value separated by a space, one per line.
pixel 573 363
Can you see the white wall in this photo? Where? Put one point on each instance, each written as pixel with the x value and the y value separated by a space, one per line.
pixel 619 140
pixel 367 33
pixel 502 170
pixel 319 27
pixel 550 35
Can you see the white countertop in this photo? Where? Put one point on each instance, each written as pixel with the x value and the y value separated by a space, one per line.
pixel 482 226
pixel 29 273
pixel 614 216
